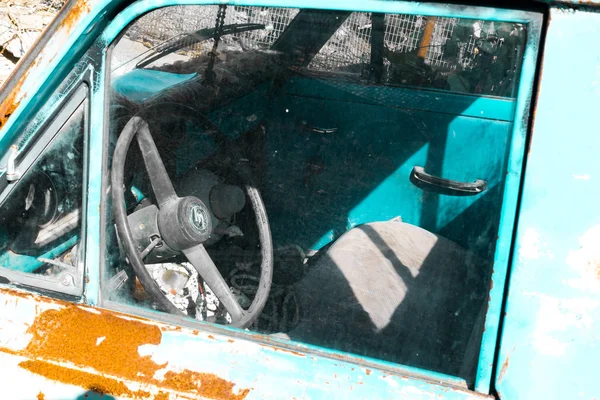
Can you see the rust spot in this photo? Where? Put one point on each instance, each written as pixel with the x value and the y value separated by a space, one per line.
pixel 40 396
pixel 161 396
pixel 82 379
pixel 211 337
pixel 9 351
pixel 79 10
pixel 285 351
pixel 206 385
pixel 19 294
pixel 595 265
pixel 503 369
pixel 10 104
pixel 70 334
pixel 230 340
pixel 368 372
pixel 76 13
pixel 169 328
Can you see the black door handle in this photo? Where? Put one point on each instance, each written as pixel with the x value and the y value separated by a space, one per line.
pixel 305 125
pixel 431 183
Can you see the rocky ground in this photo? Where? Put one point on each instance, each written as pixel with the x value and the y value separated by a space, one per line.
pixel 21 21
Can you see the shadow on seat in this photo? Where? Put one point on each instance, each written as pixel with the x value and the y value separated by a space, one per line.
pixel 394 291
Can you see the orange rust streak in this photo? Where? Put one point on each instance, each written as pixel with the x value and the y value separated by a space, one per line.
pixel 70 334
pixel 9 351
pixel 10 104
pixel 23 295
pixel 286 351
pixel 206 385
pixel 503 369
pixel 77 12
pixel 161 396
pixel 82 379
pixel 596 267
pixel 12 101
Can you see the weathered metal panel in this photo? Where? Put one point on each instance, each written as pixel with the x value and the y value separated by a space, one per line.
pixel 534 21
pixel 63 350
pixel 509 205
pixel 39 75
pixel 69 36
pixel 550 344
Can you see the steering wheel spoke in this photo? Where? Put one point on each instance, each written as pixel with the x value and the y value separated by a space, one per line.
pixel 161 183
pixel 183 223
pixel 207 269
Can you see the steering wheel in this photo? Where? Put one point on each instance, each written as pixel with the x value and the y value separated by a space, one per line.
pixel 182 224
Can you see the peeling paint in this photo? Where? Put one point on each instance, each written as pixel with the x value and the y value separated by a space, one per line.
pixel 532 247
pixel 99 351
pixel 581 177
pixel 559 315
pixel 77 12
pixel 10 104
pixel 586 261
pixel 503 369
pixel 295 353
pixel 86 380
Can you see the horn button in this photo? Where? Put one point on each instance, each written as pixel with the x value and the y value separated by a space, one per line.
pixel 184 223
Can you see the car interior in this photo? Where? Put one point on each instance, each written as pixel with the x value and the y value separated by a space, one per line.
pixel 326 177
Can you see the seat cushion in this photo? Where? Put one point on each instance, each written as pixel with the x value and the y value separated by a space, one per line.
pixel 394 291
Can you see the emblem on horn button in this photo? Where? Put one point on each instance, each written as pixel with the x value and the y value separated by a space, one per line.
pixel 199 218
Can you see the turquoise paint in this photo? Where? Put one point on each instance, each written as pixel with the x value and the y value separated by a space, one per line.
pixel 292 375
pixel 383 6
pixel 493 108
pixel 533 20
pixel 137 193
pixel 385 196
pixel 371 160
pixel 549 346
pixel 95 165
pixel 140 84
pixel 40 80
pixel 509 206
pixel 474 149
pixel 444 383
pixel 25 263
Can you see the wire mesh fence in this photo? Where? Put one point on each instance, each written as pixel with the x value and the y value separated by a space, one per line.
pixel 442 31
pixel 403 32
pixel 169 22
pixel 350 45
pixel 348 50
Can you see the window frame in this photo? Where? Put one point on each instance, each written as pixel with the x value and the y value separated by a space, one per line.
pixel 515 166
pixel 34 147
